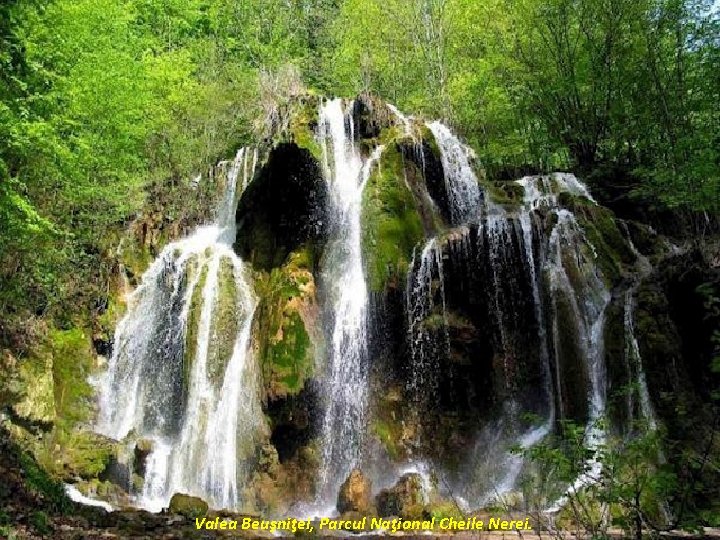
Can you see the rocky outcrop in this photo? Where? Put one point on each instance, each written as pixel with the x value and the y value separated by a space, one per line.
pixel 187 506
pixel 355 493
pixel 405 499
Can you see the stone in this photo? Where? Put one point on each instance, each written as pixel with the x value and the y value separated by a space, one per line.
pixel 188 506
pixel 355 493
pixel 404 499
pixel 143 448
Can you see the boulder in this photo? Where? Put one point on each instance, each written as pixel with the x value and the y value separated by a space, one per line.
pixel 404 499
pixel 143 448
pixel 188 506
pixel 354 493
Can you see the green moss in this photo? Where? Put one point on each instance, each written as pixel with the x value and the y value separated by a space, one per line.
pixel 600 225
pixel 388 436
pixel 224 323
pixel 303 120
pixel 193 319
pixel 434 322
pixel 286 347
pixel 444 509
pixel 73 357
pixel 390 221
pixel 507 194
pixel 389 135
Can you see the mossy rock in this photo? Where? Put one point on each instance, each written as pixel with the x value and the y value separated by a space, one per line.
pixel 371 116
pixel 224 327
pixel 35 385
pixel 574 378
pixel 404 499
pixel 391 225
pixel 193 318
pixel 287 306
pixel 600 225
pixel 390 425
pixel 303 124
pixel 444 509
pixel 188 506
pixel 85 455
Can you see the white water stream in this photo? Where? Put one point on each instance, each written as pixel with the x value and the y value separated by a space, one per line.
pixel 182 375
pixel 346 386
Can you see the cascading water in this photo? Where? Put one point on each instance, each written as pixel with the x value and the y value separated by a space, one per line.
pixel 578 296
pixel 427 323
pixel 182 375
pixel 461 183
pixel 343 426
pixel 497 293
pixel 632 349
pixel 632 352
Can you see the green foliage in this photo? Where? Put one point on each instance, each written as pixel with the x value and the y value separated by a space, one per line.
pixel 630 490
pixel 39 480
pixel 40 522
pixel 549 84
pixel 391 224
pixel 102 100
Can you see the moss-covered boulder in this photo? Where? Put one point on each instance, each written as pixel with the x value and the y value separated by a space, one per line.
pixel 405 499
pixel 187 505
pixel 355 493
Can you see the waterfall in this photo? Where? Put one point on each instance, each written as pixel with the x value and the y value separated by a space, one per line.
pixel 632 349
pixel 425 283
pixel 578 291
pixel 182 374
pixel 632 353
pixel 343 425
pixel 461 183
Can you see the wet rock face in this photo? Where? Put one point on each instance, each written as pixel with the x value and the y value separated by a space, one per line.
pixel 355 493
pixel 492 322
pixel 405 499
pixel 426 158
pixel 674 331
pixel 370 116
pixel 282 209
